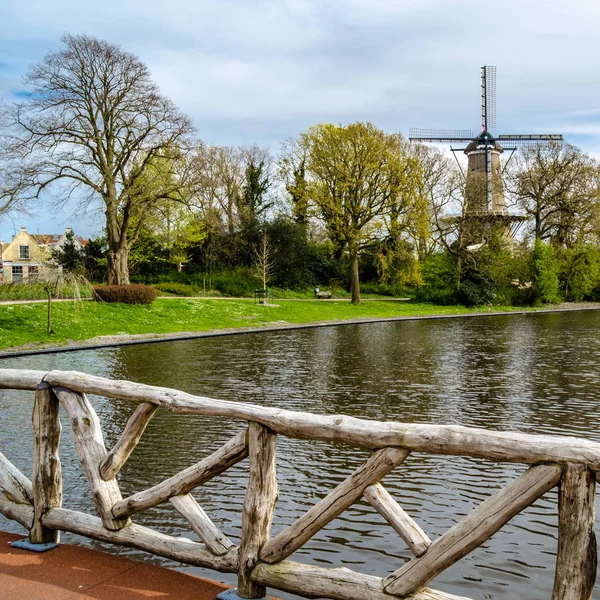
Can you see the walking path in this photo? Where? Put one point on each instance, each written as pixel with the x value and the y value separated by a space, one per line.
pixel 77 573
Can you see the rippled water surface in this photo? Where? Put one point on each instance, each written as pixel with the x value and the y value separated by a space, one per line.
pixel 535 373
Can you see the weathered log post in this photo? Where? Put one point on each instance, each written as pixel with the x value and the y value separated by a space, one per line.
pixel 47 474
pixel 259 505
pixel 577 553
pixel 89 444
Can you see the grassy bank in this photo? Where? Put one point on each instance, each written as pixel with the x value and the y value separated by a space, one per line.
pixel 25 324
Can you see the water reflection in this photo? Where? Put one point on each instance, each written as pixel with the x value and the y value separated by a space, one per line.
pixel 533 373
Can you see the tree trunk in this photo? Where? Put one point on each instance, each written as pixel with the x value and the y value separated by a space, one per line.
pixel 49 310
pixel 354 281
pixel 118 267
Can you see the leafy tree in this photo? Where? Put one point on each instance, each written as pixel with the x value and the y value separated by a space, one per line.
pixel 579 271
pixel 356 175
pixel 545 273
pixel 95 123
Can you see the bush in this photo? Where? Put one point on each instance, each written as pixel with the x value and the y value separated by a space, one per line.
pixel 476 288
pixel 177 289
pixel 236 283
pixel 395 290
pixel 545 273
pixel 127 294
pixel 439 278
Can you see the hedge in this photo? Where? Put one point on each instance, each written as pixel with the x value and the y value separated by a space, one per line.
pixel 127 294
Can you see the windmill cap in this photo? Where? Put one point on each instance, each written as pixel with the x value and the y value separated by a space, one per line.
pixel 485 137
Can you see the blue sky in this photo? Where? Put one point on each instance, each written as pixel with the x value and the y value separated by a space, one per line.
pixel 263 70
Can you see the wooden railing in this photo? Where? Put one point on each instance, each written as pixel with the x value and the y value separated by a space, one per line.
pixel 260 560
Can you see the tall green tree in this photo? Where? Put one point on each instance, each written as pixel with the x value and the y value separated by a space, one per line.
pixel 356 175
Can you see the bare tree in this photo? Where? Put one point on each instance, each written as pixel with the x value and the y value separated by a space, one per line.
pixel 556 185
pixel 94 125
pixel 263 260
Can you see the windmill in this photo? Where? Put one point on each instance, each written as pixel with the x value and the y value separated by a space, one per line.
pixel 484 192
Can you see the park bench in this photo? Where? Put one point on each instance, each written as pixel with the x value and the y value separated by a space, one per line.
pixel 320 295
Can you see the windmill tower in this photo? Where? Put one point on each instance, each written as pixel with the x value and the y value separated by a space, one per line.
pixel 485 204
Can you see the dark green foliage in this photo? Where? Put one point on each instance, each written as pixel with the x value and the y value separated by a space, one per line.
pixel 177 289
pixel 394 290
pixel 126 294
pixel 476 287
pixel 238 283
pixel 70 256
pixel 254 193
pixel 94 259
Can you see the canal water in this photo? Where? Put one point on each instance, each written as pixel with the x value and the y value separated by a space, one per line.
pixel 534 373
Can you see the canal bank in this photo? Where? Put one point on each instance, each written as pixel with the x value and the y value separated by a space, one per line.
pixel 134 339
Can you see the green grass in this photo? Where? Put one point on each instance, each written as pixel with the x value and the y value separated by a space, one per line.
pixel 25 324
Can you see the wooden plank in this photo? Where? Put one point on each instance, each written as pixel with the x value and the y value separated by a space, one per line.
pixel 435 439
pixel 392 512
pixel 134 429
pixel 47 474
pixel 200 522
pixel 379 464
pixel 89 444
pixel 232 452
pixel 21 513
pixel 136 536
pixel 577 559
pixel 15 485
pixel 469 533
pixel 339 584
pixel 20 379
pixel 259 504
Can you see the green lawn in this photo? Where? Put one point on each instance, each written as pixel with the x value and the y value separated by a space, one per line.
pixel 25 324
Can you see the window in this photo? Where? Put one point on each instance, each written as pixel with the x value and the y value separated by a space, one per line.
pixel 17 274
pixel 33 272
pixel 23 252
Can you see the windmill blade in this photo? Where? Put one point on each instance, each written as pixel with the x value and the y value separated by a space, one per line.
pixel 488 97
pixel 528 140
pixel 441 135
pixel 530 137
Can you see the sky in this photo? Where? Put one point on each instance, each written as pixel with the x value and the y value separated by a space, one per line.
pixel 261 71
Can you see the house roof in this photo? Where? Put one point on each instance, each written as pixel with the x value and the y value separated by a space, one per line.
pixel 50 239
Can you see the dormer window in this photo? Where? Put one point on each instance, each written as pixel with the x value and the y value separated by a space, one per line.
pixel 23 252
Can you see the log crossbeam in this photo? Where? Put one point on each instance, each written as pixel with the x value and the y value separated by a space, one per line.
pixel 472 531
pixel 200 522
pixel 415 538
pixel 334 504
pixel 13 483
pixel 129 439
pixel 235 450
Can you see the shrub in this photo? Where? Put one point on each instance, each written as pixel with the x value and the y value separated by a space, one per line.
pixel 545 273
pixel 476 288
pixel 439 278
pixel 395 290
pixel 235 283
pixel 177 289
pixel 127 294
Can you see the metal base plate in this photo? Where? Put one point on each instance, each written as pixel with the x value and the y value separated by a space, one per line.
pixel 25 544
pixel 231 594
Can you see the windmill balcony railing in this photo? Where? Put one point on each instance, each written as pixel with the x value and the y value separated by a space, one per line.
pixel 260 560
